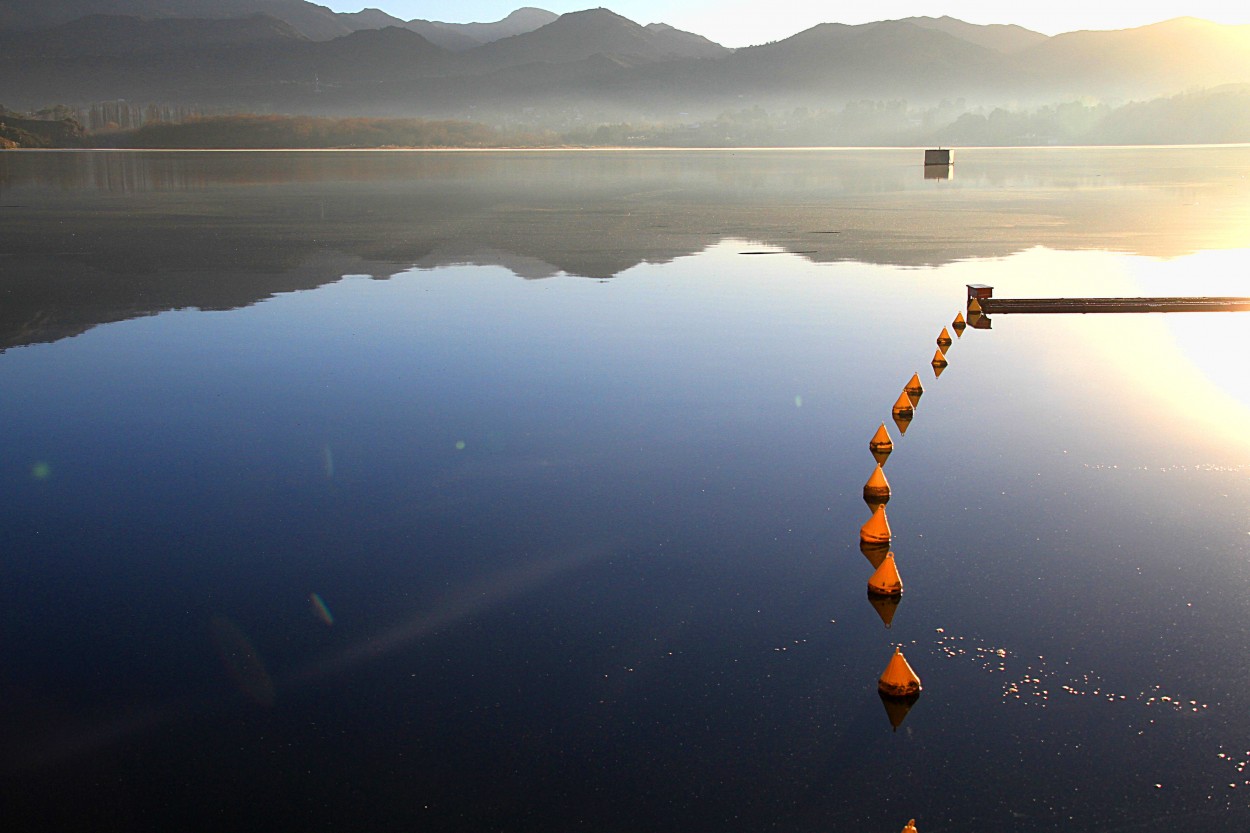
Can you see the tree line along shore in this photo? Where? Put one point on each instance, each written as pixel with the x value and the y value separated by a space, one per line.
pixel 1216 116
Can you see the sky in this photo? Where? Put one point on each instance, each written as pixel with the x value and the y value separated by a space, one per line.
pixel 749 22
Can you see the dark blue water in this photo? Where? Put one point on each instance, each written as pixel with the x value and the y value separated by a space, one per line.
pixel 507 492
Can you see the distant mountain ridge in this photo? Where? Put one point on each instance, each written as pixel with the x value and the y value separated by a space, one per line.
pixel 292 56
pixel 313 21
pixel 577 36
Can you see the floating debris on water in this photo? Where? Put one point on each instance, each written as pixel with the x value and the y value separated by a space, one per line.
pixel 1036 684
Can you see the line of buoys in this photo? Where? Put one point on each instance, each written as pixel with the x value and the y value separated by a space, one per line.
pixel 877 489
pixel 898 679
pixel 899 685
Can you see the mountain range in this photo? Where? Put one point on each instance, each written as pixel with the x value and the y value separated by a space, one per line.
pixel 292 56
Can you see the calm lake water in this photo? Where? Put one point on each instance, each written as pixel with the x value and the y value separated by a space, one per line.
pixel 521 492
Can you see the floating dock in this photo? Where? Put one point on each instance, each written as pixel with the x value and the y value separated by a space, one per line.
pixel 984 296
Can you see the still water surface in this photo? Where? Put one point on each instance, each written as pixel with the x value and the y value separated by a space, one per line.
pixel 520 492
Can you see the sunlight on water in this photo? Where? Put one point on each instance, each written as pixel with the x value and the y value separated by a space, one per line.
pixel 1185 369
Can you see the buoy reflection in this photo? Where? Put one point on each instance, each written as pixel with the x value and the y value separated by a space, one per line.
pixel 885 606
pixel 896 708
pixel 874 551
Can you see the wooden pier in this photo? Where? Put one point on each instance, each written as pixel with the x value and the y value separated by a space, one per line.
pixel 990 305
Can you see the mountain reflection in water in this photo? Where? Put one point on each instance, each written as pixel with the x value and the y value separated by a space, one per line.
pixel 149 231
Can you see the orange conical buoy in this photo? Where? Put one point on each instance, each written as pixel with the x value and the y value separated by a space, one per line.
pixel 877 529
pixel 877 489
pixel 898 679
pixel 959 324
pixel 886 580
pixel 944 339
pixel 913 387
pixel 903 408
pixel 881 440
pixel 939 359
pixel 874 551
pixel 911 825
pixel 974 306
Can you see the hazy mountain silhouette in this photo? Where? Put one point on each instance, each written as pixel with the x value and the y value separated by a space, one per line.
pixel 313 21
pixel 1147 61
pixel 117 35
pixel 523 20
pixel 455 37
pixel 580 35
pixel 889 58
pixel 1005 38
pixel 578 67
